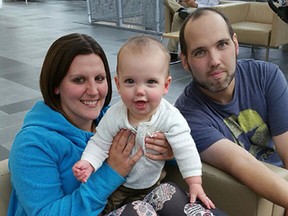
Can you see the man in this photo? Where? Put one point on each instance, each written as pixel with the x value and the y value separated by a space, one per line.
pixel 180 10
pixel 237 110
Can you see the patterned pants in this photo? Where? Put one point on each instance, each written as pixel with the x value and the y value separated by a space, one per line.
pixel 167 199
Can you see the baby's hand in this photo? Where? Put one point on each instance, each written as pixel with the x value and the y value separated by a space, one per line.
pixel 82 170
pixel 196 191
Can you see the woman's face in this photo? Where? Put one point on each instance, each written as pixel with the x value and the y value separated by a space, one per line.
pixel 83 90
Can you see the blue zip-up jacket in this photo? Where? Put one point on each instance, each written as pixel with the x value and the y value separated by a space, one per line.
pixel 41 161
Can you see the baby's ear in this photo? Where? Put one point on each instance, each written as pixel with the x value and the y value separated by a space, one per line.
pixel 167 84
pixel 116 80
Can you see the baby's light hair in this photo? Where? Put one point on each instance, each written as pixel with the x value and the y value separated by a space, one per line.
pixel 143 44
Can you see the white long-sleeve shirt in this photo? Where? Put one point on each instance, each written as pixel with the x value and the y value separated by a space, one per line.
pixel 146 172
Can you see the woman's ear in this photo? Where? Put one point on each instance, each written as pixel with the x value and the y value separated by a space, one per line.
pixel 56 91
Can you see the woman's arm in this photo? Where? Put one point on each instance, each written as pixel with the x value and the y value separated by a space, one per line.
pixel 43 182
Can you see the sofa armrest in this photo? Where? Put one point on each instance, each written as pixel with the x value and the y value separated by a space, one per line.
pixel 5 187
pixel 235 198
pixel 230 195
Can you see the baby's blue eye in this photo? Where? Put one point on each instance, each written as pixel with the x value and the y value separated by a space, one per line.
pixel 151 81
pixel 129 81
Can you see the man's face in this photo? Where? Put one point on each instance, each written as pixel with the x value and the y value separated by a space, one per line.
pixel 211 53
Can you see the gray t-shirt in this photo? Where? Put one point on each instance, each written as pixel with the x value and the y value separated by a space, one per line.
pixel 258 111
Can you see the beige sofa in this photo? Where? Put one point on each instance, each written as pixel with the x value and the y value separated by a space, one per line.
pixel 5 187
pixel 229 194
pixel 169 15
pixel 226 192
pixel 254 23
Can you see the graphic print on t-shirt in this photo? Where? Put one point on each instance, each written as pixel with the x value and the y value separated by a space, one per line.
pixel 249 127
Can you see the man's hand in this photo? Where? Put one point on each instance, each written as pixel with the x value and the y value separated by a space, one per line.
pixel 158 143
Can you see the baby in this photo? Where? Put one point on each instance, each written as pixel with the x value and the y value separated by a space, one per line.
pixel 142 79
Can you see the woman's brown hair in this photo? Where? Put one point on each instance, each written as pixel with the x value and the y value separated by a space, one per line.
pixel 58 60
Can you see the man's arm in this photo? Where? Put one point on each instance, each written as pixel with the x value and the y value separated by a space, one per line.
pixel 239 163
pixel 281 144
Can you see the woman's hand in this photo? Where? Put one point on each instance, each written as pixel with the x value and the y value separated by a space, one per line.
pixel 120 158
pixel 159 144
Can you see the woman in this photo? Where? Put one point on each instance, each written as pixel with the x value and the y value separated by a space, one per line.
pixel 76 86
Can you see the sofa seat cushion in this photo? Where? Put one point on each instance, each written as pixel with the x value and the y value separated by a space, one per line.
pixel 5 187
pixel 253 33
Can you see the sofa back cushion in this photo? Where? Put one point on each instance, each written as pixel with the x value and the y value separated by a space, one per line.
pixel 260 12
pixel 235 12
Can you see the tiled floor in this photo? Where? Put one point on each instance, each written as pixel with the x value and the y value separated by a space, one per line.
pixel 26 32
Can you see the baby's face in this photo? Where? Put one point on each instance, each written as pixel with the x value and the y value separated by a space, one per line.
pixel 142 81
